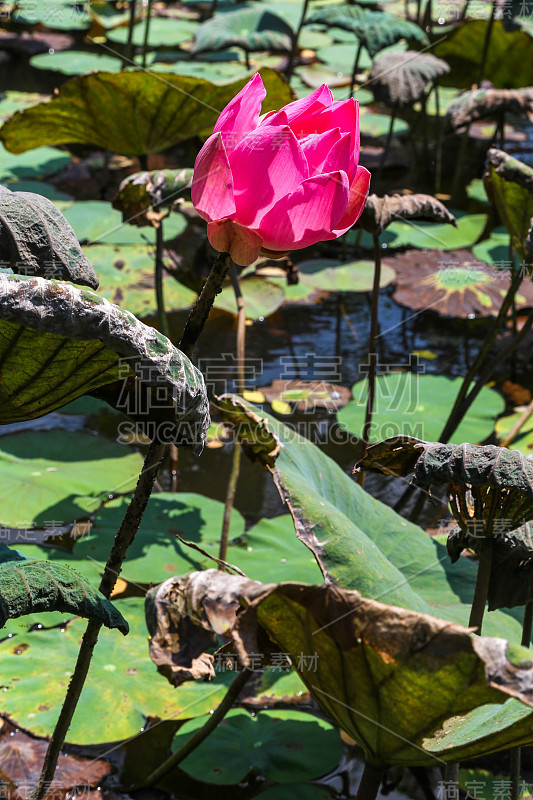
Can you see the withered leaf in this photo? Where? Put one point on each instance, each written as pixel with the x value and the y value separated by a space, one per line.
pixel 379 212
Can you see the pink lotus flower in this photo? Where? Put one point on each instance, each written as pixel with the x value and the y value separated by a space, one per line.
pixel 281 181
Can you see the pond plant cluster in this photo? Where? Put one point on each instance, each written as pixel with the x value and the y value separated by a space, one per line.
pixel 266 477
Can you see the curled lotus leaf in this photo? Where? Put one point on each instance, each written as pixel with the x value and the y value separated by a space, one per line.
pixel 58 342
pixel 388 676
pixel 375 29
pixel 480 103
pixel 142 191
pixel 250 28
pixel 400 78
pixel 379 212
pixel 499 480
pixel 36 239
pixel 511 575
pixel 28 586
pixel 509 184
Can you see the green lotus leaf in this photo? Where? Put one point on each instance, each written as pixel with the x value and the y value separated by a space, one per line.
pixel 35 164
pixel 39 486
pixel 126 275
pixel 262 297
pixel 72 62
pixel 58 342
pixel 54 14
pixel 509 183
pixel 418 405
pixel 163 32
pixel 509 63
pixel 284 746
pixel 97 222
pixel 329 275
pixel 375 29
pixel 36 239
pixel 142 112
pixel 38 586
pixel 115 703
pixel 249 28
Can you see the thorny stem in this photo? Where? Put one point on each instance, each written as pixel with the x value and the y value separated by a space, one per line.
pixel 517 427
pixel 129 44
pixel 370 783
pixel 355 67
pixel 147 32
pixel 527 624
pixel 236 463
pixel 294 47
pixel 440 129
pixel 197 738
pixel 387 143
pixel 487 373
pixel 514 772
pixel 372 355
pixel 453 421
pixel 482 587
pixel 124 537
pixel 486 43
pixel 160 299
pixel 202 307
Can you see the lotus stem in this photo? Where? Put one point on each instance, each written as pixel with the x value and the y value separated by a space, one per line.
pixel 486 43
pixel 236 463
pixel 129 44
pixel 173 468
pixel 458 174
pixel 372 355
pixel 454 418
pixel 126 532
pixel 201 309
pixel 370 783
pixel 482 587
pixel 451 780
pixel 440 128
pixel 247 59
pixel 294 45
pixel 527 624
pixel 489 370
pixel 387 143
pixel 465 9
pixel 146 32
pixel 515 757
pixel 197 738
pixel 159 294
pixel 355 67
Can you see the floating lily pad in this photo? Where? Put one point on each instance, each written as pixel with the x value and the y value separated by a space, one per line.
pixel 34 164
pixel 18 101
pixel 115 701
pixel 284 746
pixel 375 126
pixel 453 284
pixel 304 396
pixel 523 440
pixel 313 40
pixel 447 94
pixel 50 476
pixel 95 221
pixel 329 275
pixel 495 250
pixel 340 57
pixel 262 297
pixel 476 191
pixel 43 188
pixel 73 62
pixel 418 405
pixel 268 551
pixel 55 14
pixel 431 236
pixel 126 275
pixel 164 32
pixel 203 69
